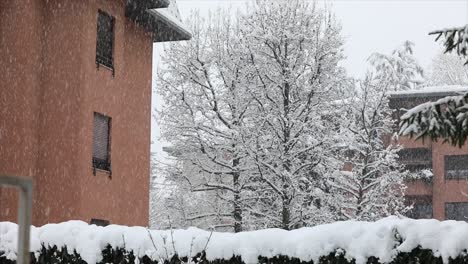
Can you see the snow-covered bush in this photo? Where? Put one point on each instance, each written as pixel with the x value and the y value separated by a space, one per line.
pixel 389 240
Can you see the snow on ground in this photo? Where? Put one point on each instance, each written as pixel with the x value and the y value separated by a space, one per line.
pixel 359 240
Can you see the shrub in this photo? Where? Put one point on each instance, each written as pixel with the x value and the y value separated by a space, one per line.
pixel 53 255
pixel 390 240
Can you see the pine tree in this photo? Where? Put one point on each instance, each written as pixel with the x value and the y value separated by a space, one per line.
pixel 454 39
pixel 447 118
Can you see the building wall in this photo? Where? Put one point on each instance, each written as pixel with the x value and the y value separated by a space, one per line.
pixel 126 98
pixel 442 191
pixel 445 191
pixel 51 92
pixel 20 53
pixel 61 101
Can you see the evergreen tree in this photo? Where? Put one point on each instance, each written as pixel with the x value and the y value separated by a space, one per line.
pixel 447 118
pixel 454 39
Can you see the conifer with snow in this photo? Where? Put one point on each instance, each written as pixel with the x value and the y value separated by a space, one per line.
pixel 447 118
pixel 454 39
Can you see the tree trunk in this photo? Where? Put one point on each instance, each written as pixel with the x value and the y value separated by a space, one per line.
pixel 286 213
pixel 286 201
pixel 237 207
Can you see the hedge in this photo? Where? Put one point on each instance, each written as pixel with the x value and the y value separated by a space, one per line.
pixel 390 240
pixel 53 255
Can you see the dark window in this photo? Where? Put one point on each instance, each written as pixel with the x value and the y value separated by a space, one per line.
pixel 105 40
pixel 416 159
pixel 456 167
pixel 101 142
pixel 456 211
pixel 422 207
pixel 99 222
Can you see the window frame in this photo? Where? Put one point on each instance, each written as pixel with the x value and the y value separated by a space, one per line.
pixel 418 201
pixel 418 162
pixel 456 172
pixel 99 222
pixel 102 60
pixel 455 209
pixel 97 163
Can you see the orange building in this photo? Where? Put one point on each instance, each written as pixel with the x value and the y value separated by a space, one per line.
pixel 75 105
pixel 444 195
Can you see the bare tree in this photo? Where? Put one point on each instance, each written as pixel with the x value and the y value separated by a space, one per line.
pixel 448 69
pixel 204 88
pixel 374 187
pixel 293 49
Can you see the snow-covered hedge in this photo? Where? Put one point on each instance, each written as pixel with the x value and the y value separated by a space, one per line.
pixel 388 240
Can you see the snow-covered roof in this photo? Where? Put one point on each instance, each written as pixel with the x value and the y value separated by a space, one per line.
pixel 431 91
pixel 161 17
pixel 170 16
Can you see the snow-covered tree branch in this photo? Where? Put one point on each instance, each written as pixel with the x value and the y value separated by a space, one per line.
pixel 203 88
pixel 454 39
pixel 293 50
pixel 447 118
pixel 374 187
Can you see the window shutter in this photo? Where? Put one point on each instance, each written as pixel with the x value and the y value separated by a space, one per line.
pixel 101 141
pixel 105 40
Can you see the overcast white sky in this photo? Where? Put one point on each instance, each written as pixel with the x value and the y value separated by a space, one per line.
pixel 368 26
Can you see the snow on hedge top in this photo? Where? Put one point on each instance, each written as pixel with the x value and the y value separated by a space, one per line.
pixel 359 240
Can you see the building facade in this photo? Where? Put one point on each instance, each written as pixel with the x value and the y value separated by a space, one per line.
pixel 75 105
pixel 442 190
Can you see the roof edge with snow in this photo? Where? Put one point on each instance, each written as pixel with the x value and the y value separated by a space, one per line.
pixel 431 91
pixel 156 17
